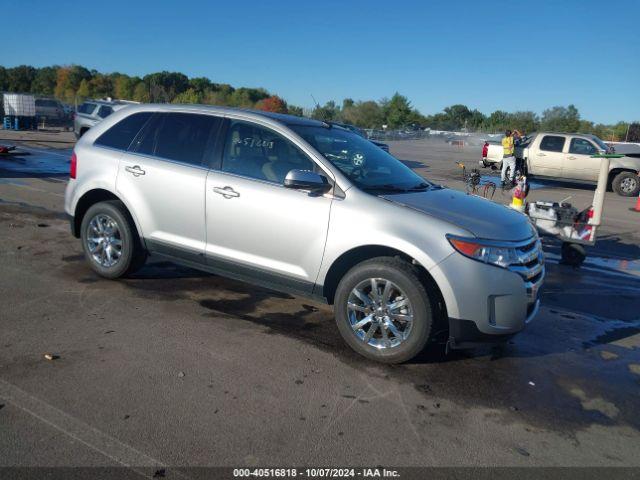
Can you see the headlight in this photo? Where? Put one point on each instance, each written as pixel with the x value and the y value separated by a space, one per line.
pixel 485 251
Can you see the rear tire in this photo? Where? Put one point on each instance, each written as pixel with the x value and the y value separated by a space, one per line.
pixel 399 332
pixel 626 184
pixel 110 240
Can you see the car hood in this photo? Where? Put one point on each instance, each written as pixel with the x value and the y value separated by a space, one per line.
pixel 481 217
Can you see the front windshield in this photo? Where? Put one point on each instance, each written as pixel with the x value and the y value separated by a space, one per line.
pixel 366 165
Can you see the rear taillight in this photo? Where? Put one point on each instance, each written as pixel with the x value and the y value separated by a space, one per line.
pixel 74 165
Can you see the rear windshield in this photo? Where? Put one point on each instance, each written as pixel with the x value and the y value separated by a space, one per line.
pixel 87 108
pixel 46 103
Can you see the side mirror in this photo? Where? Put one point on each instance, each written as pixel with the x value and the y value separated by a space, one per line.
pixel 306 180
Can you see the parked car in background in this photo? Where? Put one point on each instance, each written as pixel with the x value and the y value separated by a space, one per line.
pixel 359 131
pixel 92 112
pixel 493 158
pixel 296 205
pixel 49 110
pixel 569 156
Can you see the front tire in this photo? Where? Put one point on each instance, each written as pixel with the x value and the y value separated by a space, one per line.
pixel 626 184
pixel 572 254
pixel 110 241
pixel 383 310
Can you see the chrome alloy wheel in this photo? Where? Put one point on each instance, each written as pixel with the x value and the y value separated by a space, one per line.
pixel 104 242
pixel 380 313
pixel 628 185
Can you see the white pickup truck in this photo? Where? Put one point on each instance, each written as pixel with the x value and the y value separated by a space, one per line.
pixel 568 156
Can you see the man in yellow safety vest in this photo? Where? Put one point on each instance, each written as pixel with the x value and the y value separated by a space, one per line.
pixel 508 157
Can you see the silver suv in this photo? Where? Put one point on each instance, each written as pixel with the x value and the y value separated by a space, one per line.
pixel 309 208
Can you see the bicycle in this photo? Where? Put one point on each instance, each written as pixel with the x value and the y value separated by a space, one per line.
pixel 474 184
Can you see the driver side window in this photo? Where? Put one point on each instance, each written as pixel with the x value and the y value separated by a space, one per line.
pixel 257 152
pixel 580 146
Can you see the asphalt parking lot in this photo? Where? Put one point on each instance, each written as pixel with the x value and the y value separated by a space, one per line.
pixel 178 368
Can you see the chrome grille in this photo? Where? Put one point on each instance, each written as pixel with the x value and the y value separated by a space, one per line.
pixel 530 266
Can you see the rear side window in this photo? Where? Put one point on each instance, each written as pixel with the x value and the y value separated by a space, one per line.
pixel 552 143
pixel 183 137
pixel 580 146
pixel 122 133
pixel 105 111
pixel 87 108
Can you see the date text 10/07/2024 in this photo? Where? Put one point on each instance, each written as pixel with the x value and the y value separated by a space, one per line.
pixel 315 473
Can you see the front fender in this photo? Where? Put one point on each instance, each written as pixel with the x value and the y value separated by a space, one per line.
pixel 625 163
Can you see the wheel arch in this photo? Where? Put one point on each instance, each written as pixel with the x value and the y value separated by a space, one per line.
pixel 350 258
pixel 90 198
pixel 616 170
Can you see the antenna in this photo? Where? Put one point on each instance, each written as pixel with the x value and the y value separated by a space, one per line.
pixel 324 120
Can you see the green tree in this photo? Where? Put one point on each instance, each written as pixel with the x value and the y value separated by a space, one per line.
pixel 524 122
pixel 634 132
pixel 190 95
pixel 560 119
pixel 141 92
pixel 101 86
pixel 398 111
pixel 459 115
pixel 164 86
pixel 201 84
pixel 83 91
pixel 3 79
pixel 123 86
pixel 330 112
pixel 363 114
pixel 19 79
pixel 295 110
pixel 44 82
pixel 498 121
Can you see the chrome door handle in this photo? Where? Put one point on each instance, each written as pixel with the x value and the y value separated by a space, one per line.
pixel 226 192
pixel 135 170
pixel 542 155
pixel 571 158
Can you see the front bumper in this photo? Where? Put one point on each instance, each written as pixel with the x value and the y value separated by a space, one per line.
pixel 486 303
pixel 465 333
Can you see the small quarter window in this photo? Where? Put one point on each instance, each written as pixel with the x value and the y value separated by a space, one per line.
pixel 122 133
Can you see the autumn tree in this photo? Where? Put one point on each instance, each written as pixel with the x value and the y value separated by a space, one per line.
pixel 273 104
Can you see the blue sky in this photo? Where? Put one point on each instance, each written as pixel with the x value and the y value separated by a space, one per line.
pixel 487 55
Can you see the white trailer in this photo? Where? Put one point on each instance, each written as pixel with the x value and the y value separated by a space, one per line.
pixel 19 105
